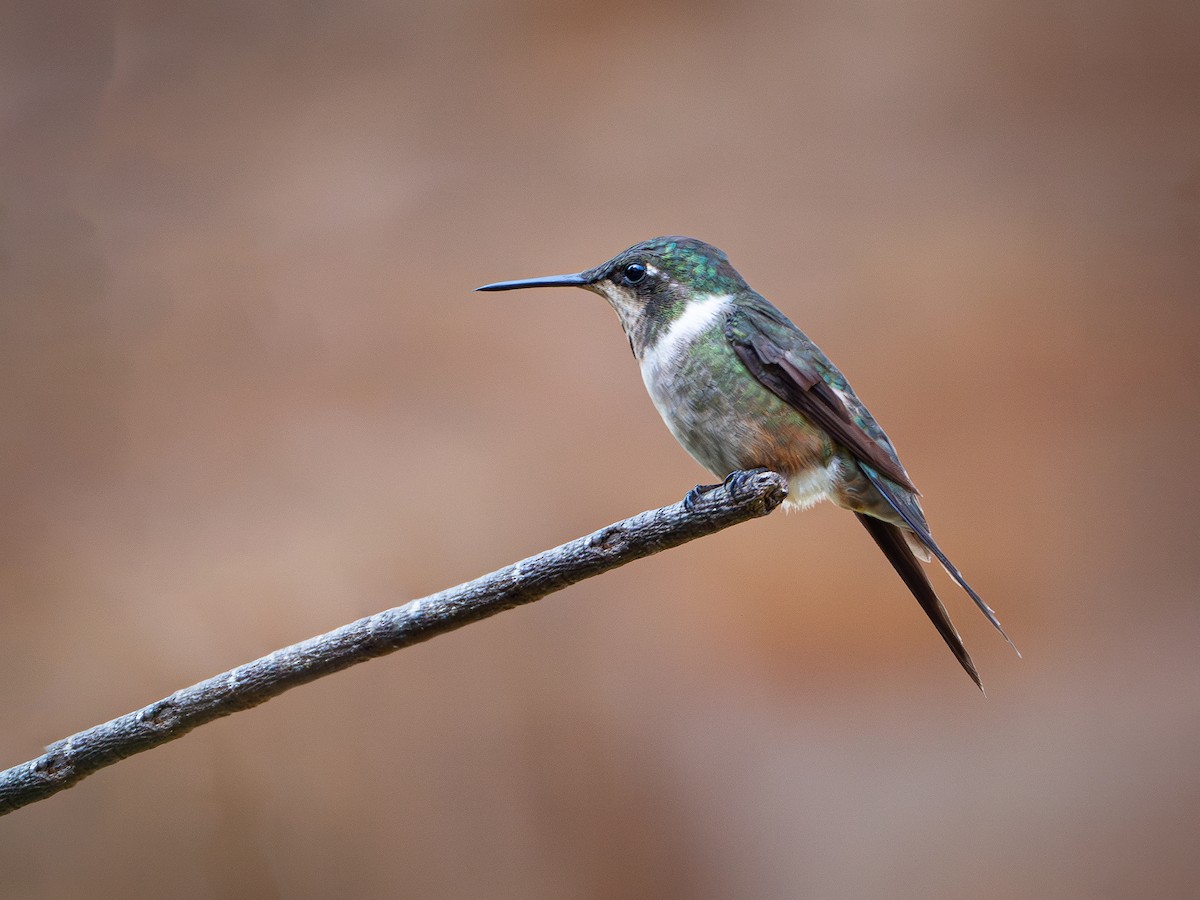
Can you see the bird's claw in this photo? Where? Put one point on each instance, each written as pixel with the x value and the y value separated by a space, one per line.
pixel 733 484
pixel 692 497
pixel 735 480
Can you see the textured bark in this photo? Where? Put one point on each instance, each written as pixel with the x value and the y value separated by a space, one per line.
pixel 743 496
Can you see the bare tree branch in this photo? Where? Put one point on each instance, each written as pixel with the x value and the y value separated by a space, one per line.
pixel 743 496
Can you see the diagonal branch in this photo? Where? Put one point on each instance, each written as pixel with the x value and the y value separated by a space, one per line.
pixel 743 496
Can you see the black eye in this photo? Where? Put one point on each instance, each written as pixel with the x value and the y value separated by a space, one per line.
pixel 634 272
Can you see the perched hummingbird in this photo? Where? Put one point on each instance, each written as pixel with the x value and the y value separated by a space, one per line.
pixel 741 387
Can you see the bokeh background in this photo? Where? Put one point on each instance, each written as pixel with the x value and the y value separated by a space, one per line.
pixel 246 395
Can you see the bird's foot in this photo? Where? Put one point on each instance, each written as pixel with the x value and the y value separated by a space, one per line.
pixel 735 480
pixel 692 497
pixel 733 483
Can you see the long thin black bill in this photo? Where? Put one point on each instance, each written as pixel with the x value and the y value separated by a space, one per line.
pixel 576 280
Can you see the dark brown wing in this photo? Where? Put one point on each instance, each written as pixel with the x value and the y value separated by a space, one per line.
pixel 785 362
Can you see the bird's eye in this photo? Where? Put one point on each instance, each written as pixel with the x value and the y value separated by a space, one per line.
pixel 634 272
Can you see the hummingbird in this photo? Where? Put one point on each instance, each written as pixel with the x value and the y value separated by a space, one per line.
pixel 741 388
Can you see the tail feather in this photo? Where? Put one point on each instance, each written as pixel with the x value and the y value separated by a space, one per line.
pixel 891 541
pixel 921 531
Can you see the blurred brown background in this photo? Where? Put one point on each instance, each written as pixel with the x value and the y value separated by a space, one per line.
pixel 246 395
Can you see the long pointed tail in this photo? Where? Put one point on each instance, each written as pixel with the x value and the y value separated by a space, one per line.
pixel 891 541
pixel 890 494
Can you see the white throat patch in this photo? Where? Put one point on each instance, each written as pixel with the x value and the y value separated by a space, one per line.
pixel 699 315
